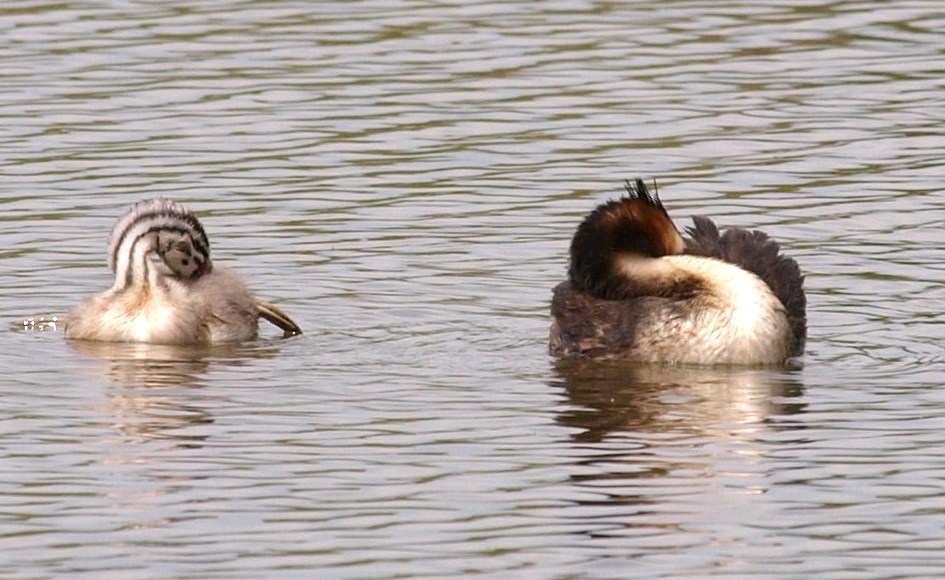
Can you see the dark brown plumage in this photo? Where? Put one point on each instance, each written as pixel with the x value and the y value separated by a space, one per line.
pixel 634 224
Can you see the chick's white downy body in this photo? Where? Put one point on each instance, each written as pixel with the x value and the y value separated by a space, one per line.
pixel 166 288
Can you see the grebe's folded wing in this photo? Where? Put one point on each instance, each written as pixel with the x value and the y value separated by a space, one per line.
pixel 276 316
pixel 588 326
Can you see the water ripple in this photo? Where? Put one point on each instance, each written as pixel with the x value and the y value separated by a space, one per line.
pixel 404 178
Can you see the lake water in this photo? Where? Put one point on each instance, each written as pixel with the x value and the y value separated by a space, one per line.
pixel 403 178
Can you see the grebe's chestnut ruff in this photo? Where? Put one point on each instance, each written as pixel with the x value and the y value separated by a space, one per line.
pixel 166 289
pixel 638 290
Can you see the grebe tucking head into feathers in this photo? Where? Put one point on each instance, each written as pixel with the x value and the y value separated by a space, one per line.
pixel 166 288
pixel 638 290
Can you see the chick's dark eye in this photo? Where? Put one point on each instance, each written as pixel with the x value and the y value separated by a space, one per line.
pixel 185 262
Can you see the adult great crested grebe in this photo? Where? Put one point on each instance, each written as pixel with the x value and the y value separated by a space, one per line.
pixel 638 290
pixel 166 289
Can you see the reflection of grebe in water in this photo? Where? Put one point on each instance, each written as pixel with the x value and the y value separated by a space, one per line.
pixel 725 402
pixel 637 290
pixel 166 289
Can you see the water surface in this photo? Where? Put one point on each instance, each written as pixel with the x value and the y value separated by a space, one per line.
pixel 404 178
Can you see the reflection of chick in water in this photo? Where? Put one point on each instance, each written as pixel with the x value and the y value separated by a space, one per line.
pixel 155 390
pixel 146 365
pixel 616 396
pixel 180 297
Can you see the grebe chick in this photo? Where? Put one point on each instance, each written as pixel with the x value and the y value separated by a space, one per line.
pixel 166 289
pixel 638 290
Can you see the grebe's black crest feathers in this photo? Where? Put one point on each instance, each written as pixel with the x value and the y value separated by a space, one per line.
pixel 637 189
pixel 756 252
